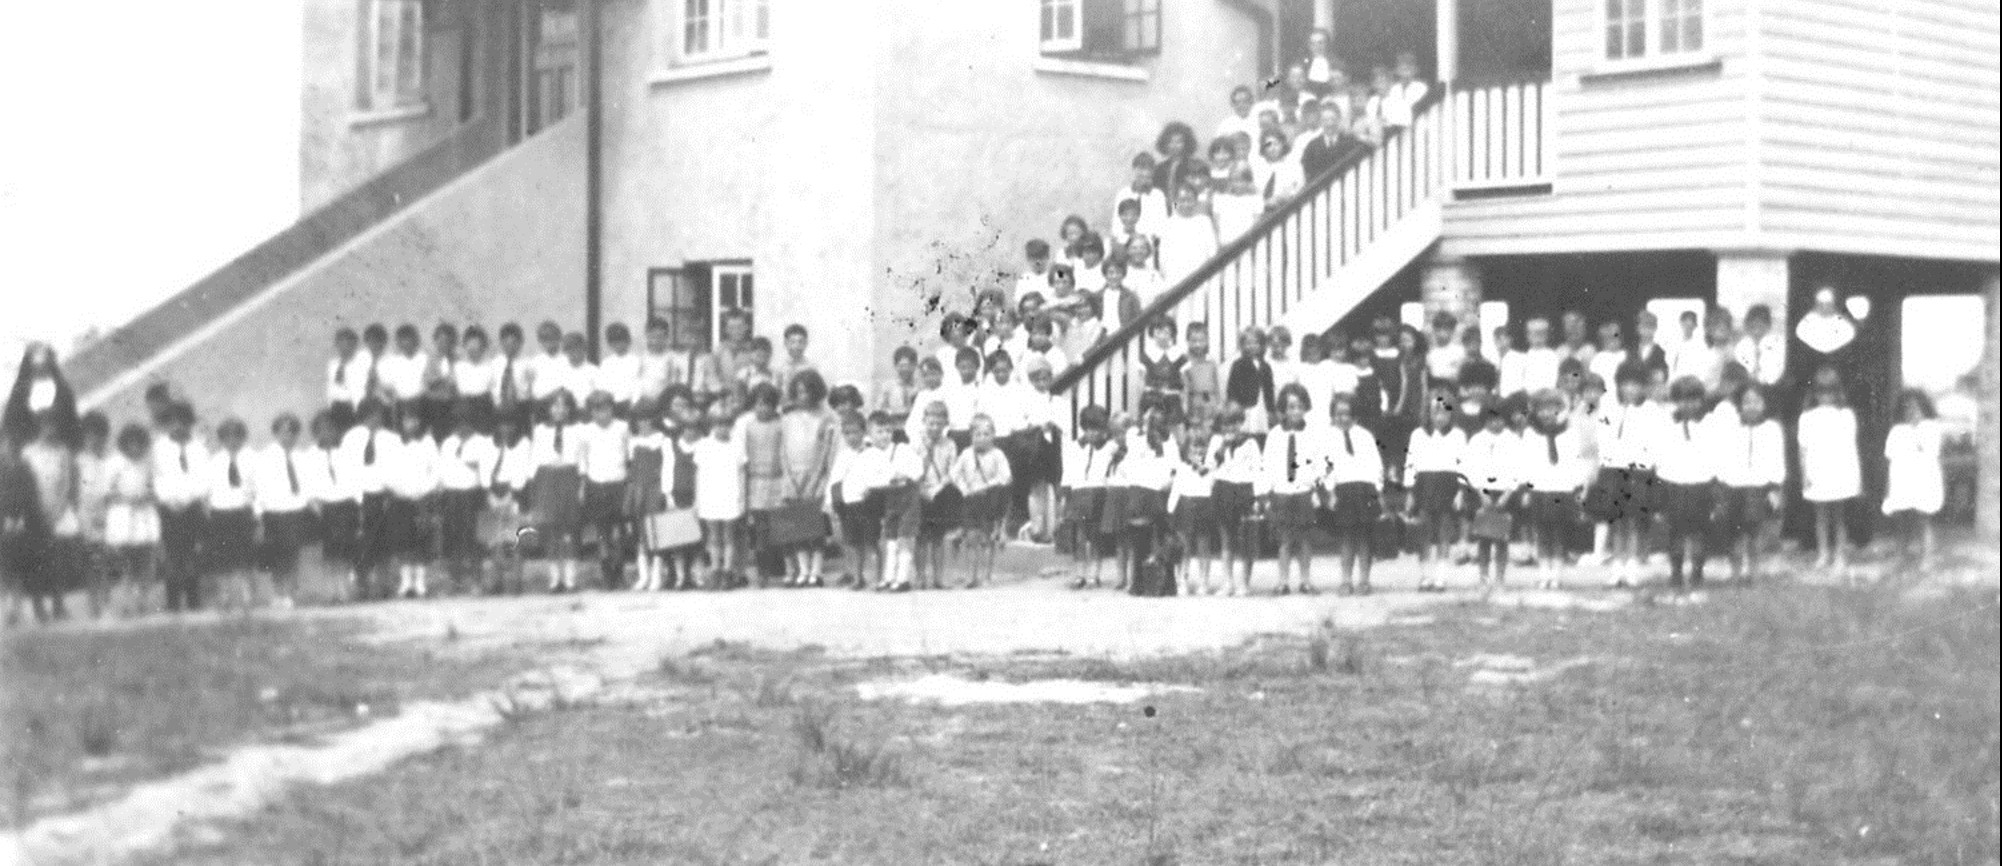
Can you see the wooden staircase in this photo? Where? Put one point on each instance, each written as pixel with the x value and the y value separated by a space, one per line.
pixel 1310 262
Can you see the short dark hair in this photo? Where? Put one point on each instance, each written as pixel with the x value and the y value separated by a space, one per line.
pixel 1128 205
pixel 511 329
pixel 1143 159
pixel 345 333
pixel 1477 371
pixel 1093 417
pixel 901 352
pixel 999 356
pixel 761 344
pixel 844 395
pixel 283 421
pixel 1631 372
pixel 1091 243
pixel 966 354
pixel 617 332
pixel 95 423
pixel 794 328
pixel 1294 389
pixel 763 393
pixel 1037 248
pixel 407 331
pixel 375 333
pixel 134 438
pixel 656 323
pixel 473 332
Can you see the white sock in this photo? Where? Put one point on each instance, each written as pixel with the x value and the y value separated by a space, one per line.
pixel 421 573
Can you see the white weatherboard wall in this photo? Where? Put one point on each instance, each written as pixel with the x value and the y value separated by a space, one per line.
pixel 1880 127
pixel 502 243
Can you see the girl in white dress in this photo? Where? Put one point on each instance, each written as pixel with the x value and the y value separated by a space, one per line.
pixel 1830 467
pixel 1917 484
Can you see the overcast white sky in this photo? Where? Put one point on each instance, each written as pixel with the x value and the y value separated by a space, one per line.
pixel 147 143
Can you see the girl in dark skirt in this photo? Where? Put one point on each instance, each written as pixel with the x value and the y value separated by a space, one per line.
pixel 283 503
pixel 982 471
pixel 366 451
pixel 1237 461
pixel 1087 464
pixel 1193 517
pixel 1041 470
pixel 1137 503
pixel 858 521
pixel 1556 467
pixel 1688 474
pixel 1355 472
pixel 605 468
pixel 940 500
pixel 1432 470
pixel 336 495
pixel 1751 467
pixel 1294 467
pixel 410 516
pixel 465 460
pixel 555 489
pixel 1622 493
pixel 232 525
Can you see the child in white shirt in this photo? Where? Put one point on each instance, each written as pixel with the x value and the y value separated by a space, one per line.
pixel 1488 464
pixel 1831 465
pixel 1237 473
pixel 618 373
pixel 1087 464
pixel 607 444
pixel 1686 467
pixel 283 489
pixel 1916 483
pixel 1355 477
pixel 1750 454
pixel 1193 515
pixel 719 493
pixel 982 475
pixel 1432 466
pixel 410 475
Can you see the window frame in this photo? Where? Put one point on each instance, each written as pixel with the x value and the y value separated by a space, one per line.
pixel 1108 31
pixel 1653 19
pixel 732 29
pixel 407 85
pixel 695 290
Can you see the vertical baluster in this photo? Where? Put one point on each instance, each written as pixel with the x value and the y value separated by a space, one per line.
pixel 1348 193
pixel 1296 246
pixel 1517 133
pixel 1545 114
pixel 1497 133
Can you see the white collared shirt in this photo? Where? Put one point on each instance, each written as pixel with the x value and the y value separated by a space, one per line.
pixel 369 477
pixel 1087 466
pixel 278 490
pixel 546 375
pixel 328 475
pixel 1007 405
pixel 1240 464
pixel 656 372
pixel 1295 460
pixel 403 375
pixel 1570 469
pixel 466 462
pixel 619 376
pixel 547 450
pixel 1750 455
pixel 411 471
pixel 1434 452
pixel 1762 357
pixel 229 491
pixel 1353 456
pixel 1682 451
pixel 347 381
pixel 1626 435
pixel 179 472
pixel 471 377
pixel 604 452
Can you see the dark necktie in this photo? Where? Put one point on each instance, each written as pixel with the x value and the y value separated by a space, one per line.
pixel 1348 443
pixel 1550 439
pixel 341 371
pixel 291 473
pixel 235 477
pixel 499 461
pixel 1292 452
pixel 184 459
pixel 333 474
pixel 507 381
pixel 374 378
pixel 559 443
pixel 368 452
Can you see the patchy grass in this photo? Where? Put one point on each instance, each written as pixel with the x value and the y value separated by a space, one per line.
pixel 1789 725
pixel 88 713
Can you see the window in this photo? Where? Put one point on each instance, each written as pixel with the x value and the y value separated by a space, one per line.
pixel 693 298
pixel 392 73
pixel 720 29
pixel 1681 26
pixel 555 74
pixel 1100 29
pixel 1675 27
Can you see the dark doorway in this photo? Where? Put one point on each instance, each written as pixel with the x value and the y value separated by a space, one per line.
pixel 1605 287
pixel 1504 40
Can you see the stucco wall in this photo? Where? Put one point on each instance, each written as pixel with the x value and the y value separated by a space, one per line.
pixel 336 152
pixel 890 152
pixel 979 150
pixel 774 165
pixel 421 266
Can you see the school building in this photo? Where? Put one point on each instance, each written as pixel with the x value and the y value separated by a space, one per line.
pixel 858 167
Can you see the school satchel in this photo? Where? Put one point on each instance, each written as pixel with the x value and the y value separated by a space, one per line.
pixel 1386 540
pixel 799 521
pixel 673 529
pixel 1491 523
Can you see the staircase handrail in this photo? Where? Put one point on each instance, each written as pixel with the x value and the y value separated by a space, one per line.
pixel 1162 306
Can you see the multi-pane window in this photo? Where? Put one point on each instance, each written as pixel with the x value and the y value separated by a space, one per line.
pixel 392 54
pixel 693 299
pixel 717 29
pixel 1626 28
pixel 554 82
pixel 1634 29
pixel 1681 26
pixel 1100 29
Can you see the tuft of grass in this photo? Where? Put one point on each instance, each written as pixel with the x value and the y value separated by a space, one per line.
pixel 97 729
pixel 829 761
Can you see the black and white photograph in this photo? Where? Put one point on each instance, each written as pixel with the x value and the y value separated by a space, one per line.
pixel 1014 432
